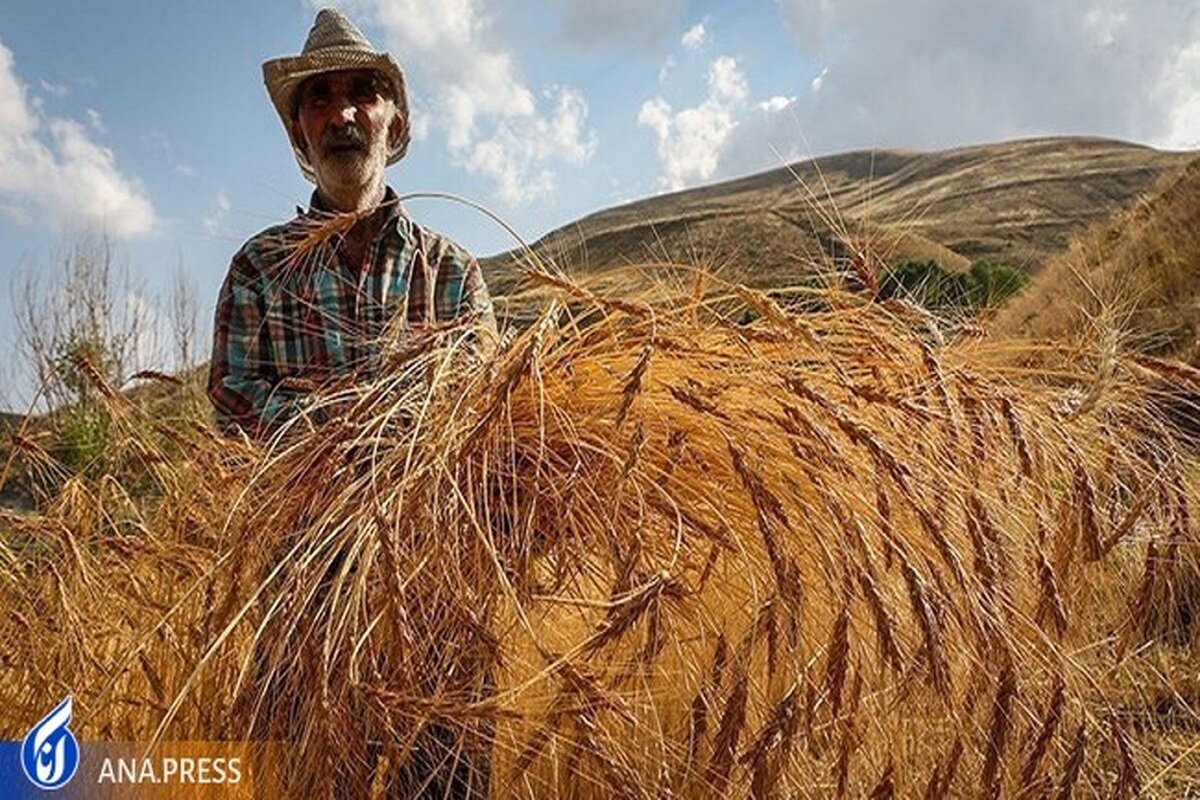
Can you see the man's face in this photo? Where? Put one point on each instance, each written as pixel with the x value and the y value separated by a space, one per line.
pixel 345 123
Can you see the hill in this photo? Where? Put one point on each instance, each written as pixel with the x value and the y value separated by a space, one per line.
pixel 1014 202
pixel 1140 269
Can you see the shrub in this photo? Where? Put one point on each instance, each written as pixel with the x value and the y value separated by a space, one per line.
pixel 985 285
pixel 83 331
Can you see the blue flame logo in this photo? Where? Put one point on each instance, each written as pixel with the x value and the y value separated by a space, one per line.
pixel 50 754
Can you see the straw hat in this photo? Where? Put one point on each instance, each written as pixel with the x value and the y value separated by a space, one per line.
pixel 334 43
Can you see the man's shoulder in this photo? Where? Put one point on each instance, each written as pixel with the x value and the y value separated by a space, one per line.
pixel 270 246
pixel 270 241
pixel 436 245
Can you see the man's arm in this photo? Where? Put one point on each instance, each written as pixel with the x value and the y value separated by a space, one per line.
pixel 477 302
pixel 242 384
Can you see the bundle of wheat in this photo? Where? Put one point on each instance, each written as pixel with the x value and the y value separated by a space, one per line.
pixel 651 549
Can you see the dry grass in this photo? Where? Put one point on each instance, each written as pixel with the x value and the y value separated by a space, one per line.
pixel 648 551
pixel 1136 271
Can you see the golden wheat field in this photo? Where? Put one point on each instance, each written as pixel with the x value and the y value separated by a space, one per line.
pixel 701 545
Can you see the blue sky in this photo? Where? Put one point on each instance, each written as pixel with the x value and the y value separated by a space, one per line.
pixel 147 120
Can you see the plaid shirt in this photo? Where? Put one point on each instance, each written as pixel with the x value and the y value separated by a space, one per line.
pixel 321 317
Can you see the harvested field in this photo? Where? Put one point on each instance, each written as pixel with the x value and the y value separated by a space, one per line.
pixel 691 546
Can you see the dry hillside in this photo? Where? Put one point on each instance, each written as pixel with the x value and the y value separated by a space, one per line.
pixel 1139 270
pixel 1014 202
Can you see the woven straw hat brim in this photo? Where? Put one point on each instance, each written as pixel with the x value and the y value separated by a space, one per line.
pixel 283 77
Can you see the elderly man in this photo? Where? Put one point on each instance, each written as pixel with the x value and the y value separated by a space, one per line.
pixel 289 320
pixel 286 324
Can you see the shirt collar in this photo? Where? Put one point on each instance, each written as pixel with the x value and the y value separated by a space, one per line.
pixel 396 212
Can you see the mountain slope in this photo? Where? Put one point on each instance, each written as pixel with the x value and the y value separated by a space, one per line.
pixel 1141 267
pixel 1013 202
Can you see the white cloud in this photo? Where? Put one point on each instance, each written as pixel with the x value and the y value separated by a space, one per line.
pixel 667 68
pixel 726 81
pixel 1184 127
pixel 51 166
pixel 218 214
pixel 513 157
pixel 690 141
pixel 819 81
pixel 1104 25
pixel 56 89
pixel 16 115
pixel 695 38
pixel 421 124
pixel 656 115
pixel 96 121
pixel 774 105
pixel 931 73
pixel 470 89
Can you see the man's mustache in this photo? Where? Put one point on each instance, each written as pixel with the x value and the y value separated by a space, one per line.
pixel 348 135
